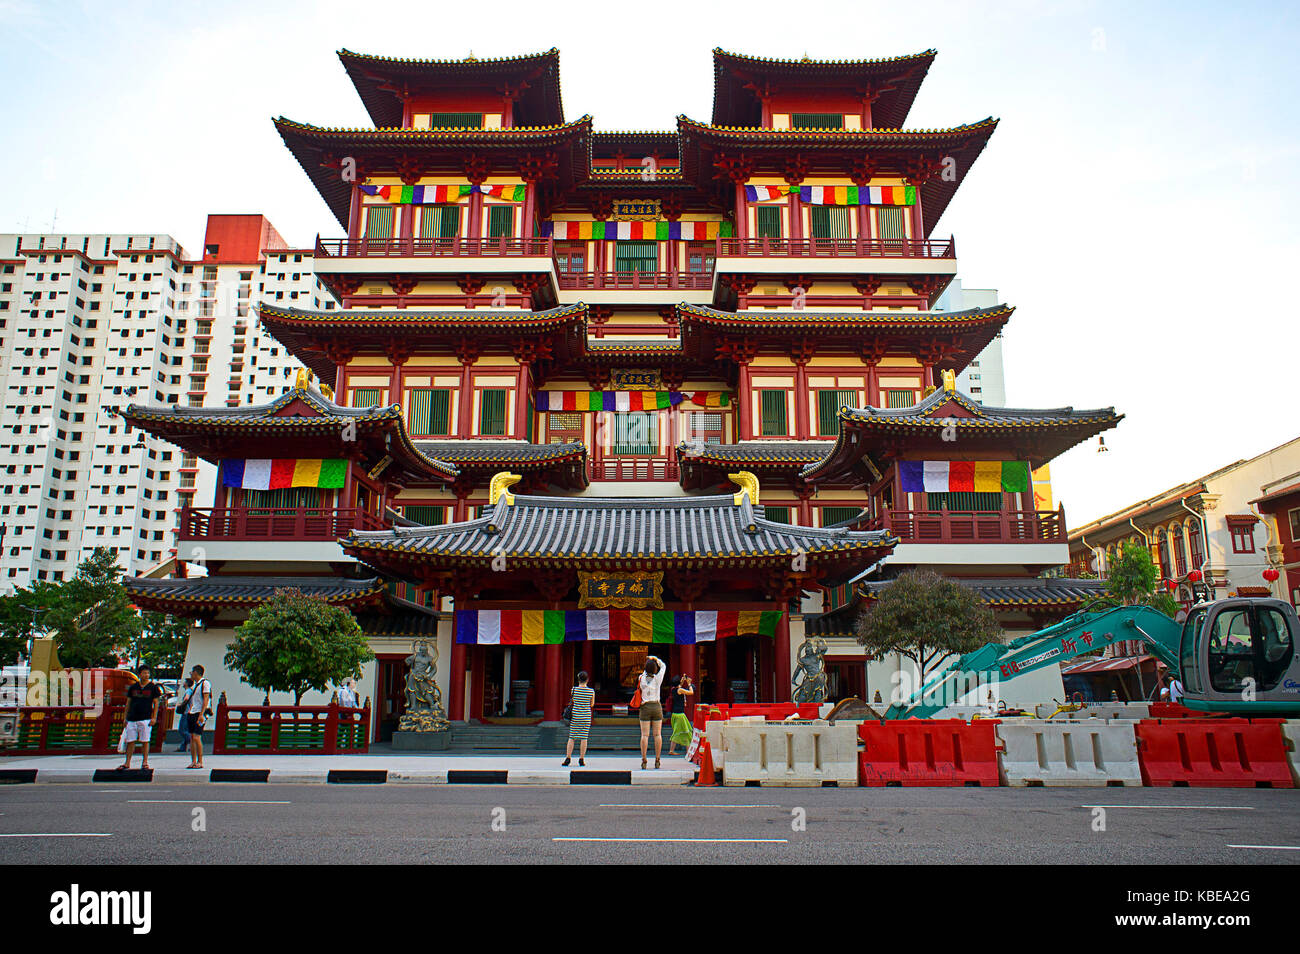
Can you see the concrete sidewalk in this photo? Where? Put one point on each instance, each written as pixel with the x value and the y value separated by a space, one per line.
pixel 375 767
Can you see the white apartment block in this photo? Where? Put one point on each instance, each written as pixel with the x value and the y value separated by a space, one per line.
pixel 984 378
pixel 90 323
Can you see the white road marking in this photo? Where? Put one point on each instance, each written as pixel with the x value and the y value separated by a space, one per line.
pixel 1269 847
pixel 701 805
pixel 206 801
pixel 1202 808
pixel 57 834
pixel 748 841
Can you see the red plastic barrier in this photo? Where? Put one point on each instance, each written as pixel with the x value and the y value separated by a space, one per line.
pixel 1176 710
pixel 708 713
pixel 774 711
pixel 939 752
pixel 1219 753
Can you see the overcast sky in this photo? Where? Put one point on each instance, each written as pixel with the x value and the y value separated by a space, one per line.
pixel 1137 204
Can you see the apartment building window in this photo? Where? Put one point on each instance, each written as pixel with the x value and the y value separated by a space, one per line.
pixel 430 412
pixel 830 221
pixel 563 427
pixel 636 257
pixel 439 221
pixel 772 416
pixel 900 397
pixel 501 221
pixel 636 433
pixel 368 397
pixel 767 221
pixel 456 120
pixel 889 223
pixel 828 410
pixel 492 412
pixel 816 120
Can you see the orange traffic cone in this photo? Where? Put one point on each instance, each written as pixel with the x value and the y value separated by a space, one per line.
pixel 705 778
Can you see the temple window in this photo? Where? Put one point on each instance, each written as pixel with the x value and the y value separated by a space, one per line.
pixel 287 498
pixel 890 224
pixel 439 221
pixel 816 120
pixel 492 412
pixel 772 416
pixel 831 221
pixel 699 259
pixel 704 426
pixel 828 410
pixel 636 257
pixel 777 514
pixel 900 397
pixel 501 221
pixel 563 428
pixel 428 515
pixel 379 221
pixel 430 412
pixel 964 501
pixel 571 258
pixel 456 120
pixel 636 434
pixel 767 221
pixel 833 515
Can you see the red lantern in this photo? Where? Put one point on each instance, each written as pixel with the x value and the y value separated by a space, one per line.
pixel 1271 575
pixel 1194 576
pixel 1170 585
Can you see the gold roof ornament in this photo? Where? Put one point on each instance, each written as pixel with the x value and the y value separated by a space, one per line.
pixel 497 488
pixel 748 484
pixel 303 380
pixel 327 391
pixel 949 380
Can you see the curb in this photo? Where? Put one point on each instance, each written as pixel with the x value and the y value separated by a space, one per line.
pixel 532 777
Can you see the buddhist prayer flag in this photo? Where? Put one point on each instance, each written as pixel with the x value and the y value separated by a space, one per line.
pixel 549 627
pixel 418 195
pixel 626 400
pixel 280 473
pixel 858 195
pixel 636 231
pixel 765 193
pixel 955 476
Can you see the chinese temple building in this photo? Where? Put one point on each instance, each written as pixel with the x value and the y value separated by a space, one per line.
pixel 596 394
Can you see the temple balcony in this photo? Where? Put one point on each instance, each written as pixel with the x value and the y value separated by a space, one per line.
pixel 837 256
pixel 299 533
pixel 365 256
pixel 610 286
pixel 953 538
pixel 633 468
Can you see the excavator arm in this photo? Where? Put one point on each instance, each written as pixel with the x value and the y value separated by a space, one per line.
pixel 1083 632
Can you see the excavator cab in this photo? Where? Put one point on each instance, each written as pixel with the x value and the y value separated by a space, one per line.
pixel 1238 655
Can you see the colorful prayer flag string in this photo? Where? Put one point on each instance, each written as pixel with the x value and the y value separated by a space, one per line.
pixel 637 231
pixel 281 473
pixel 543 627
pixel 963 476
pixel 626 400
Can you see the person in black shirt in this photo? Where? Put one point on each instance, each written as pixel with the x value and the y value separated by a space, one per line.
pixel 142 700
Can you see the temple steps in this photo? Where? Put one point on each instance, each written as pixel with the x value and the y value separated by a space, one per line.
pixel 603 738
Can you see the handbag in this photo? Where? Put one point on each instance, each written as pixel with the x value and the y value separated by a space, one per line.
pixel 636 696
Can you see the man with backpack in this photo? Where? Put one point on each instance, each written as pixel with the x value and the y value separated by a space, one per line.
pixel 199 708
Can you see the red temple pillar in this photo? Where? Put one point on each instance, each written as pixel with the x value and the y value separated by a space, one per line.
pixel 456 686
pixel 781 660
pixel 466 398
pixel 742 212
pixel 743 402
pixel 801 400
pixel 588 658
pixel 720 672
pixel 522 391
pixel 551 705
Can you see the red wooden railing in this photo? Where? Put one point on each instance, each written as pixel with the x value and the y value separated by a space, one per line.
pixel 972 526
pixel 835 248
pixel 634 468
pixel 434 247
pixel 277 730
pixel 274 523
pixel 71 730
pixel 634 280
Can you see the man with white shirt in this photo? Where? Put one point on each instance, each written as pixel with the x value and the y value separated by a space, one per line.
pixel 199 708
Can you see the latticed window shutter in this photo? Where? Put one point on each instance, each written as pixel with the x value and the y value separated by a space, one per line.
pixel 767 221
pixel 430 412
pixel 439 221
pixel 834 515
pixel 900 397
pixel 379 221
pixel 456 120
pixel 636 433
pixel 285 498
pixel 368 397
pixel 777 514
pixel 828 410
pixel 816 120
pixel 492 412
pixel 889 223
pixel 830 222
pixel 427 514
pixel 636 256
pixel 772 408
pixel 501 221
pixel 964 500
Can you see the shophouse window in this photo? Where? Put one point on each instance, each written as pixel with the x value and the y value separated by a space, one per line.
pixel 492 412
pixel 1243 536
pixel 430 412
pixel 1293 517
pixel 772 416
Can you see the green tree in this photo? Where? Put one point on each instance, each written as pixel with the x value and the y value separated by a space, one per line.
pixel 1134 579
pixel 927 619
pixel 162 643
pixel 17 616
pixel 93 618
pixel 293 643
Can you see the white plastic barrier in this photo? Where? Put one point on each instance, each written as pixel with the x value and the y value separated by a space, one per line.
pixel 1097 710
pixel 1291 736
pixel 803 755
pixel 1092 753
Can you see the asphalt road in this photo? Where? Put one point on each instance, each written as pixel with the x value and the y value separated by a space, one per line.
pixel 304 824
